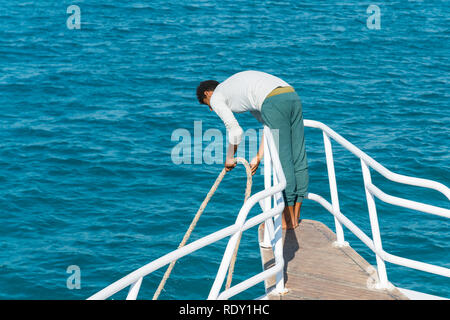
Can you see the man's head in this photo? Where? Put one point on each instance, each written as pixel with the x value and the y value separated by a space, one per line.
pixel 205 91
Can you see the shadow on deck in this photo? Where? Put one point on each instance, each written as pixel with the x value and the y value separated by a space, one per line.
pixel 315 269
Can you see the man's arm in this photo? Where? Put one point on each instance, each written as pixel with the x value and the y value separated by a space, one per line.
pixel 230 163
pixel 254 164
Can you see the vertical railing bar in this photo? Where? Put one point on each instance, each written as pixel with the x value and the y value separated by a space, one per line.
pixel 134 290
pixel 333 189
pixel 223 268
pixel 376 236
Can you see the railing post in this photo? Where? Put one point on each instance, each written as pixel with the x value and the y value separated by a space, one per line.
pixel 267 242
pixel 333 190
pixel 382 275
pixel 278 243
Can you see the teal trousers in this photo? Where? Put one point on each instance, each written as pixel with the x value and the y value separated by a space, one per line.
pixel 284 116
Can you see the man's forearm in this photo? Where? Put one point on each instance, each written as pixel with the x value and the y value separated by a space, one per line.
pixel 231 151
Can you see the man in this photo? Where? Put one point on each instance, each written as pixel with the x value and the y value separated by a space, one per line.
pixel 274 103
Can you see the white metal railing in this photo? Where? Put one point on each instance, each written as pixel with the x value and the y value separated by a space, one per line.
pixel 272 204
pixel 264 198
pixel 375 244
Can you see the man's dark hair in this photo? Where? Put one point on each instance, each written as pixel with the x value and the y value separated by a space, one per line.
pixel 208 85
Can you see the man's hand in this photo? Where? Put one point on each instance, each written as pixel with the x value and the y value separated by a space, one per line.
pixel 230 161
pixel 254 164
pixel 230 164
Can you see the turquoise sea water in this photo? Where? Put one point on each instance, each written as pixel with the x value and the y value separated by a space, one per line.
pixel 87 116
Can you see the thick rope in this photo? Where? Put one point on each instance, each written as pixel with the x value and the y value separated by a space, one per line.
pixel 211 192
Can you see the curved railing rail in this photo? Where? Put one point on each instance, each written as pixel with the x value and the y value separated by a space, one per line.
pixel 271 202
pixel 372 191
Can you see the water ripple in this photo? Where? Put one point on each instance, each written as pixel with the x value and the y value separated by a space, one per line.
pixel 86 175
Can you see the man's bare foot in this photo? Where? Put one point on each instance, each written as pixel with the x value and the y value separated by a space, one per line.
pixel 288 221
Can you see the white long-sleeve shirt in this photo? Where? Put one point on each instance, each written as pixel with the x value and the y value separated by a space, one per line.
pixel 243 91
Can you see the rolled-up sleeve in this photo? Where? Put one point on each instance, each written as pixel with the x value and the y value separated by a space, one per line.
pixel 220 107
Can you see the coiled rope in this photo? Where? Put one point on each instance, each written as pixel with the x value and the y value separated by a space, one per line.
pixel 211 192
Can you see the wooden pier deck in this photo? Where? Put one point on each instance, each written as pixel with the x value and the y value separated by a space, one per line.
pixel 317 270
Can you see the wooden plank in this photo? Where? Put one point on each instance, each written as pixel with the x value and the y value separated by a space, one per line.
pixel 316 269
